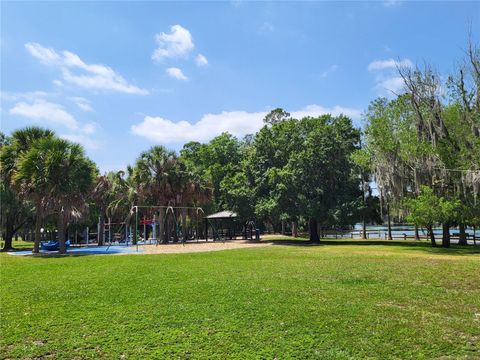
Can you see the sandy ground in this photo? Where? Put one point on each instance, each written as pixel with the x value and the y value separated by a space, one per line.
pixel 201 246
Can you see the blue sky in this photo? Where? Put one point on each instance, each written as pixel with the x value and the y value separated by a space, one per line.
pixel 121 77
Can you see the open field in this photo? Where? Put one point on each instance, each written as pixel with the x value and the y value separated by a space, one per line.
pixel 343 299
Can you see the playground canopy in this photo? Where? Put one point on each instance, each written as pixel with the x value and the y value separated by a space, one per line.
pixel 222 224
pixel 226 214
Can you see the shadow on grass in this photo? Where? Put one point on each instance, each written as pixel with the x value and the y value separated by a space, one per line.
pixel 409 245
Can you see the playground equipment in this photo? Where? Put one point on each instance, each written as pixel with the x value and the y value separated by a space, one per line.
pixel 173 224
pixel 165 224
pixel 115 232
pixel 53 245
pixel 155 225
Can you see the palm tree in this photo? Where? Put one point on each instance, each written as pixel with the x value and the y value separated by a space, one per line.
pixel 161 178
pixel 14 194
pixel 56 174
pixel 155 176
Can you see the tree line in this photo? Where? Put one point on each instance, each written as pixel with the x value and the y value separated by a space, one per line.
pixel 421 148
pixel 291 170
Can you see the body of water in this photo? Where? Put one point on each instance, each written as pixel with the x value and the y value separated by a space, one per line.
pixel 400 230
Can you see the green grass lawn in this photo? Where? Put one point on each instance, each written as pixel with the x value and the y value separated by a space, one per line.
pixel 340 300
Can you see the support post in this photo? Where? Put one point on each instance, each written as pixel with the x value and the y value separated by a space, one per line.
pixel 135 235
pixel 144 231
pixel 184 224
pixel 98 232
pixel 160 225
pixel 154 228
pixel 206 229
pixel 110 231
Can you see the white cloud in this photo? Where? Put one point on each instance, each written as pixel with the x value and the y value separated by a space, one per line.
pixel 75 71
pixel 317 110
pixel 392 85
pixel 85 107
pixel 30 95
pixel 176 73
pixel 82 139
pixel 387 80
pixel 45 55
pixel 238 123
pixel 55 115
pixel 57 82
pixel 90 128
pixel 331 69
pixel 392 3
pixel 266 28
pixel 201 60
pixel 236 3
pixel 177 43
pixel 389 64
pixel 82 103
pixel 44 111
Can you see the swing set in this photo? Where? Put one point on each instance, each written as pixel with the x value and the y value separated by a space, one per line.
pixel 156 225
pixel 148 225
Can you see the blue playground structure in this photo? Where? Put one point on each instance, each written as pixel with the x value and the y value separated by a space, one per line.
pixel 53 245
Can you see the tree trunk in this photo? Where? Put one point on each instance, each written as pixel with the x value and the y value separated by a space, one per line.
pixel 463 235
pixel 101 228
pixel 446 234
pixel 417 236
pixel 294 229
pixel 432 235
pixel 8 237
pixel 61 232
pixel 283 227
pixel 364 229
pixel 314 231
pixel 38 226
pixel 389 222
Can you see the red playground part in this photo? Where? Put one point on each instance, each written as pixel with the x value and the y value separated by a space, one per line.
pixel 146 222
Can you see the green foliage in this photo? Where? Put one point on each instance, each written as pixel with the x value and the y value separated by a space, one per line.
pixel 429 138
pixel 16 210
pixel 428 208
pixel 217 163
pixel 275 116
pixel 424 209
pixel 56 168
pixel 303 168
